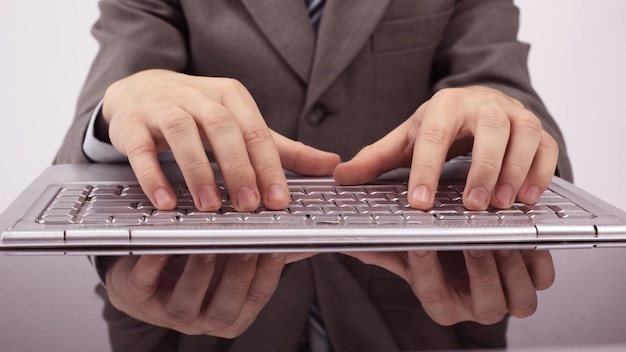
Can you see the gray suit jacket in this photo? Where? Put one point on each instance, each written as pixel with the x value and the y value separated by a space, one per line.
pixel 372 63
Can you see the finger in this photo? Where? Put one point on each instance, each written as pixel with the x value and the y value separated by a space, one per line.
pixel 267 276
pixel 227 143
pixel 540 268
pixel 303 159
pixel 491 137
pixel 226 303
pixel 436 126
pixel 488 300
pixel 388 153
pixel 526 132
pixel 184 305
pixel 431 288
pixel 521 296
pixel 136 142
pixel 143 280
pixel 262 150
pixel 181 133
pixel 267 165
pixel 541 171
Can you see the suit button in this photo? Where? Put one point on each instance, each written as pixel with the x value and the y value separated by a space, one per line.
pixel 317 115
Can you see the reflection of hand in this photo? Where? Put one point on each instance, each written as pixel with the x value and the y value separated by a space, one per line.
pixel 219 295
pixel 475 285
pixel 511 155
pixel 156 110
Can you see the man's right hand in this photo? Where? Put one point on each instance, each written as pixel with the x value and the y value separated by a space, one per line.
pixel 156 110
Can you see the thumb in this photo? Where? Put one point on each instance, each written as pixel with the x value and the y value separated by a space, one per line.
pixel 303 159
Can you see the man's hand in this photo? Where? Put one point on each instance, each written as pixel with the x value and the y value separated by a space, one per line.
pixel 153 111
pixel 512 156
pixel 474 285
pixel 156 110
pixel 198 294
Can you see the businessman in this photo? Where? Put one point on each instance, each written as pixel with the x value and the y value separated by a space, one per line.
pixel 258 86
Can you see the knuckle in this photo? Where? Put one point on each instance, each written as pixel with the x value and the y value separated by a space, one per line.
pixel 195 166
pixel 549 143
pixel 529 122
pixel 233 84
pixel 139 290
pixel 433 134
pixel 432 297
pixel 487 162
pixel 235 165
pixel 446 94
pixel 197 282
pixel 517 165
pixel 237 284
pixel 140 146
pixel 494 118
pixel 233 88
pixel 147 175
pixel 178 316
pixel 256 134
pixel 217 320
pixel 177 124
pixel 519 275
pixel 265 167
pixel 258 297
pixel 217 119
pixel 428 167
pixel 486 282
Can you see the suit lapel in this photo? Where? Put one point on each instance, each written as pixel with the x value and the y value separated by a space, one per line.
pixel 287 26
pixel 345 27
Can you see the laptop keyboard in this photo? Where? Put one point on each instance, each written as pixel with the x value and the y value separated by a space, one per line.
pixel 125 205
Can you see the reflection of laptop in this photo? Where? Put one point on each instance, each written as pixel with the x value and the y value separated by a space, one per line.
pixel 99 209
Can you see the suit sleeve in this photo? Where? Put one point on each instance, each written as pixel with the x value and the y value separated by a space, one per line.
pixel 133 35
pixel 480 46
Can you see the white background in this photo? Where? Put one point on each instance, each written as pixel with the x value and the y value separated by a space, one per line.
pixel 577 66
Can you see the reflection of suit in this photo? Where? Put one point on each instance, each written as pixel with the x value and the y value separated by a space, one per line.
pixel 371 65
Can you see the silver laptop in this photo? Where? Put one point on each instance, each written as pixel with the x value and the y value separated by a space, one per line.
pixel 100 209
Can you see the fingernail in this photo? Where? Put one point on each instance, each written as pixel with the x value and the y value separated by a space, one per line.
pixel 208 258
pixel 478 197
pixel 247 199
pixel 533 193
pixel 276 193
pixel 278 255
pixel 478 253
pixel 209 198
pixel 162 197
pixel 421 194
pixel 504 195
pixel 421 253
pixel 245 257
